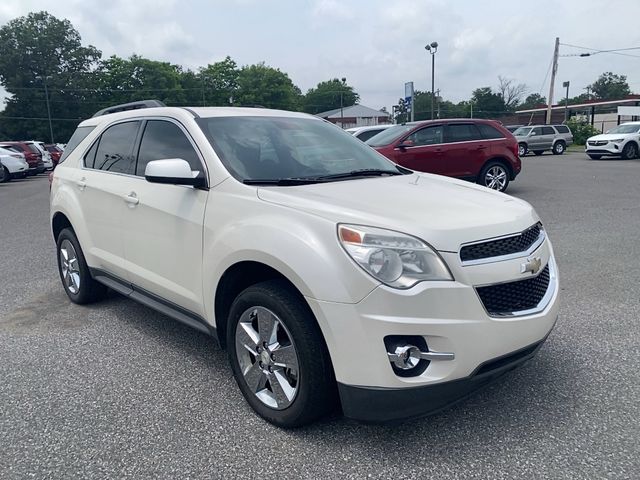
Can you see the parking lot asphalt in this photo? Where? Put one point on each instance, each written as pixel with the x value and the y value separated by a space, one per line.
pixel 116 390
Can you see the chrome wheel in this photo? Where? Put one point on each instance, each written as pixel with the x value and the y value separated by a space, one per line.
pixel 69 266
pixel 496 178
pixel 559 148
pixel 267 357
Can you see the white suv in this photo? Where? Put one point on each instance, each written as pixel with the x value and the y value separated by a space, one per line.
pixel 329 273
pixel 622 141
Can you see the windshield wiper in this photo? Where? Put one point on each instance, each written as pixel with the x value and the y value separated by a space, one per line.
pixel 364 172
pixel 280 182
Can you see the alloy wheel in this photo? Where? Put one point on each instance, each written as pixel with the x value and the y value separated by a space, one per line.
pixel 69 266
pixel 267 357
pixel 496 178
pixel 521 150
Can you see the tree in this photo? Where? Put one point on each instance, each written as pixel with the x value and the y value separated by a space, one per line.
pixel 610 86
pixel 219 82
pixel 40 48
pixel 487 103
pixel 327 95
pixel 532 101
pixel 266 86
pixel 510 92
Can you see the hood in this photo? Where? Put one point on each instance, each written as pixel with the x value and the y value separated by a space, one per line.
pixel 612 136
pixel 441 211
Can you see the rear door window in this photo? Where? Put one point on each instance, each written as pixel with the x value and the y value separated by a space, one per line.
pixel 548 131
pixel 463 132
pixel 115 148
pixel 163 140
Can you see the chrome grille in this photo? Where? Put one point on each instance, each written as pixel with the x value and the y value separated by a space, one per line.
pixel 502 246
pixel 598 143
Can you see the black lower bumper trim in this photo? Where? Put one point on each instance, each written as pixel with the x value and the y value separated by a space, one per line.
pixel 379 405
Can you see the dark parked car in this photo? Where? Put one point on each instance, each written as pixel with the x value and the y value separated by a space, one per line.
pixel 481 151
pixel 31 154
pixel 55 152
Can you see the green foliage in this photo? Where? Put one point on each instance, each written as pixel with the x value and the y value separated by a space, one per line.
pixel 219 82
pixel 487 104
pixel 532 101
pixel 610 86
pixel 40 48
pixel 266 86
pixel 327 96
pixel 581 130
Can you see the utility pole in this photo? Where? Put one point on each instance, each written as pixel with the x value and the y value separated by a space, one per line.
pixel 344 81
pixel 566 100
pixel 554 69
pixel 471 103
pixel 432 48
pixel 438 96
pixel 44 79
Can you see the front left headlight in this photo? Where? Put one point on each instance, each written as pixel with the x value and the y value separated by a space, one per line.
pixel 395 259
pixel 617 140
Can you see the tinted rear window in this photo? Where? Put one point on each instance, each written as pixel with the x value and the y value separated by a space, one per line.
pixel 33 148
pixel 562 129
pixel 367 134
pixel 77 137
pixel 547 131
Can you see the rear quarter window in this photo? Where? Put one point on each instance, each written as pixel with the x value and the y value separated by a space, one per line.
pixel 488 132
pixel 562 129
pixel 78 136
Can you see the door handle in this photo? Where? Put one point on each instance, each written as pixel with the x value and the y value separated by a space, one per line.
pixel 131 199
pixel 81 183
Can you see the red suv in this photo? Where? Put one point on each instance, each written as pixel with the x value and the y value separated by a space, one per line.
pixel 31 154
pixel 482 151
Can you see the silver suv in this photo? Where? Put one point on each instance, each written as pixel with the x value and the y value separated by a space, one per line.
pixel 539 138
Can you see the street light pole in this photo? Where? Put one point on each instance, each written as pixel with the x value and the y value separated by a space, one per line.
pixel 432 49
pixel 44 79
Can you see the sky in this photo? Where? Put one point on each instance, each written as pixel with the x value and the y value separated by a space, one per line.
pixel 376 45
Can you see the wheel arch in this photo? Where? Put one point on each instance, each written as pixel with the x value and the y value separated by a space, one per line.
pixel 59 222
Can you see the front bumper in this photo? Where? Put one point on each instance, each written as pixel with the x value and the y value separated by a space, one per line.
pixel 608 149
pixel 450 317
pixel 387 404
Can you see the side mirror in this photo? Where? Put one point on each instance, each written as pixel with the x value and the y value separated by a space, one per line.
pixel 404 144
pixel 174 171
pixel 532 133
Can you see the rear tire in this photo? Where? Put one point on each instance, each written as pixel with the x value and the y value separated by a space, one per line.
pixel 74 272
pixel 278 355
pixel 559 148
pixel 494 175
pixel 522 149
pixel 594 157
pixel 630 151
pixel 538 152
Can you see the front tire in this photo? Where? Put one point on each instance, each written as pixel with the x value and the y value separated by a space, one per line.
pixel 494 175
pixel 278 355
pixel 559 148
pixel 76 278
pixel 630 151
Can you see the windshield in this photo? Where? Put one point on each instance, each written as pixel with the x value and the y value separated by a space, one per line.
pixel 389 135
pixel 625 129
pixel 274 148
pixel 522 131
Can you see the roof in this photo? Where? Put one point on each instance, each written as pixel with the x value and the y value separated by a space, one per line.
pixel 357 111
pixel 589 103
pixel 204 112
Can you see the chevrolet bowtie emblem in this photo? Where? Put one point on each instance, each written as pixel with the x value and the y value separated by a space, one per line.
pixel 531 265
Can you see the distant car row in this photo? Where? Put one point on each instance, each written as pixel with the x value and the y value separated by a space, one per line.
pixel 19 159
